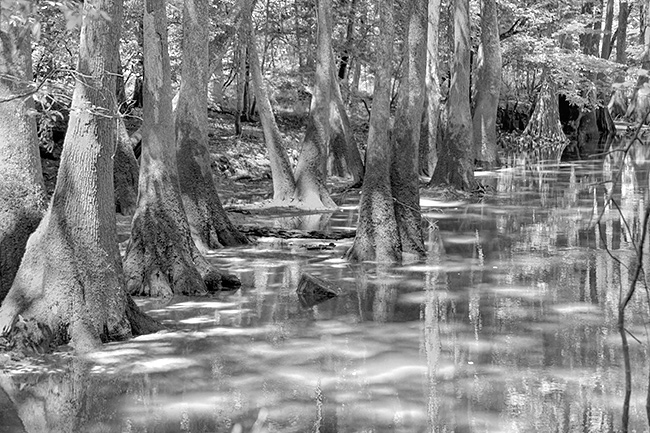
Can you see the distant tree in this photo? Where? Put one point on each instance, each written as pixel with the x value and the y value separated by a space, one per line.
pixel 311 191
pixel 606 47
pixel 209 224
pixel 488 86
pixel 621 31
pixel 284 183
pixel 22 198
pixel 344 157
pixel 70 281
pixel 161 258
pixel 455 165
pixel 429 142
pixel 125 172
pixel 639 107
pixel 545 123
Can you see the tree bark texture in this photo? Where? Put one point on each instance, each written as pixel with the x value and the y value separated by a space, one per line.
pixel 639 107
pixel 209 224
pixel 455 165
pixel 488 87
pixel 545 120
pixel 404 177
pixel 429 152
pixel 344 157
pixel 284 183
pixel 606 48
pixel 621 40
pixel 125 172
pixel 377 233
pixel 311 191
pixel 160 257
pixel 70 281
pixel 22 194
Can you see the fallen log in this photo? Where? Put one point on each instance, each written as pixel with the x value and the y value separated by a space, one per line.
pixel 256 231
pixel 313 290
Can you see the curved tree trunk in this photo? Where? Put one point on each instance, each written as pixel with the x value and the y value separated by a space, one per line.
pixel 311 191
pixel 70 281
pixel 160 257
pixel 455 165
pixel 209 224
pixel 377 234
pixel 281 171
pixel 405 180
pixel 429 146
pixel 488 87
pixel 344 157
pixel 22 194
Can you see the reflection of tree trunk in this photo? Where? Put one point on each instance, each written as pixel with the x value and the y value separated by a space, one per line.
pixel 10 421
pixel 432 344
pixel 383 306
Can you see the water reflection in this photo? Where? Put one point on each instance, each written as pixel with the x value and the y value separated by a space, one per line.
pixel 509 325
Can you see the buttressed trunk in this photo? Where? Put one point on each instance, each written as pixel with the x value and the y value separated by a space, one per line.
pixel 311 191
pixel 209 224
pixel 455 165
pixel 21 182
pixel 488 87
pixel 70 281
pixel 404 174
pixel 160 258
pixel 377 234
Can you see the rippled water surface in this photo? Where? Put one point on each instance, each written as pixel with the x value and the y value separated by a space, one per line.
pixel 509 326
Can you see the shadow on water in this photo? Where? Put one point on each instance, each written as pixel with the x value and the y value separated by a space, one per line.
pixel 509 325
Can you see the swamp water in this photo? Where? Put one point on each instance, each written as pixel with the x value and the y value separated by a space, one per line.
pixel 508 326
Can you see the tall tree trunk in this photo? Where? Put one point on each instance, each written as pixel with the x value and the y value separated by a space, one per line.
pixel 456 158
pixel 344 157
pixel 125 172
pixel 281 171
pixel 22 194
pixel 311 191
pixel 607 31
pixel 161 258
pixel 405 181
pixel 209 224
pixel 377 233
pixel 488 87
pixel 621 39
pixel 241 81
pixel 344 65
pixel 70 281
pixel 639 107
pixel 429 147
